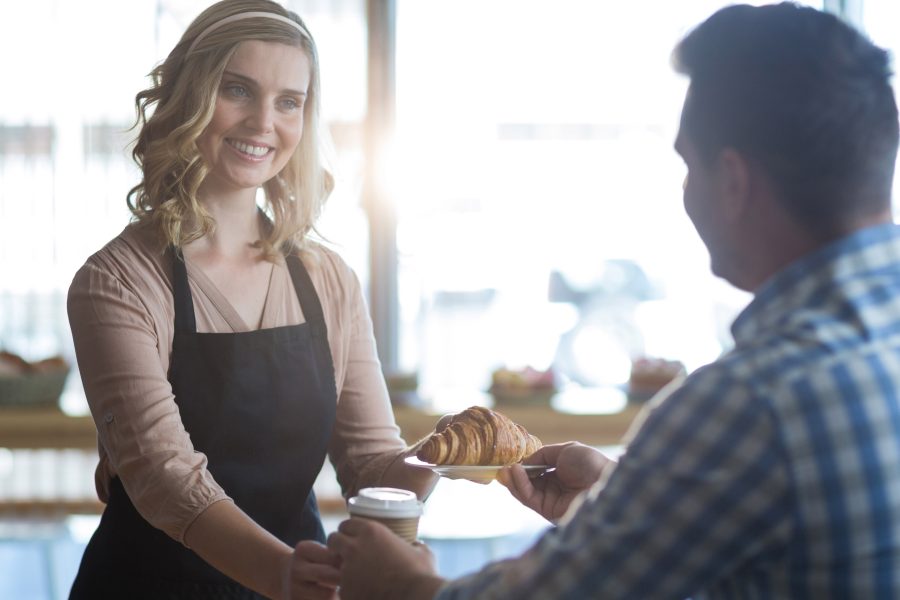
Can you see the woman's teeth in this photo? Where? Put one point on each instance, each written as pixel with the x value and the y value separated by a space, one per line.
pixel 248 149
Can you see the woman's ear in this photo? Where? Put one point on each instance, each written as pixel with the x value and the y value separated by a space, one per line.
pixel 734 181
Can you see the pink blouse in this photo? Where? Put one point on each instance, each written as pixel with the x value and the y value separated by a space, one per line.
pixel 122 316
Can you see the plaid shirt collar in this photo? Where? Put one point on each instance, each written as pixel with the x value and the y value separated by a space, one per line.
pixel 814 275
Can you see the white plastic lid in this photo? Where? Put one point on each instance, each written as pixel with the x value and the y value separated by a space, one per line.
pixel 385 502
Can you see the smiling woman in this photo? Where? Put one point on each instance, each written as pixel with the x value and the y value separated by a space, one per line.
pixel 224 354
pixel 263 93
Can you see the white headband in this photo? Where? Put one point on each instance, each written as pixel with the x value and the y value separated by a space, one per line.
pixel 246 15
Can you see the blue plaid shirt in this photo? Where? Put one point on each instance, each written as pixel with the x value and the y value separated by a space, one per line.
pixel 771 473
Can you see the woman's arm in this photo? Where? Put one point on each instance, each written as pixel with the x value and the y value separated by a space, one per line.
pixel 228 539
pixel 366 447
pixel 121 342
pixel 225 537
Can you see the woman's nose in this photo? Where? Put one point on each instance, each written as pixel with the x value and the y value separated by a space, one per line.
pixel 261 118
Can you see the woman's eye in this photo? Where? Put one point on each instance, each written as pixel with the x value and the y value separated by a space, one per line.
pixel 291 104
pixel 237 91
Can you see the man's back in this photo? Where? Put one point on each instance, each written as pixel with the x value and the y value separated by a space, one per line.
pixel 820 348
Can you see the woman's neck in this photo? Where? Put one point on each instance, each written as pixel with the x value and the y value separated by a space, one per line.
pixel 237 224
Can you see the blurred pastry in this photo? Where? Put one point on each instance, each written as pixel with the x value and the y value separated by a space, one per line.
pixel 649 375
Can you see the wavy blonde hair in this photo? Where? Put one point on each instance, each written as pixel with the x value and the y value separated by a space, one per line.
pixel 183 99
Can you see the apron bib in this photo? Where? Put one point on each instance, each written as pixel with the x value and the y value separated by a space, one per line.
pixel 261 406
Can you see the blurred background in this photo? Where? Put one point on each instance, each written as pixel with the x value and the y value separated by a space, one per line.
pixel 506 190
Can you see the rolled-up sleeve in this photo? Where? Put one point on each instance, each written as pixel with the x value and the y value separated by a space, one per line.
pixel 141 435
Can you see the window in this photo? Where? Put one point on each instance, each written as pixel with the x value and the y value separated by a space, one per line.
pixel 539 198
pixel 880 19
pixel 65 167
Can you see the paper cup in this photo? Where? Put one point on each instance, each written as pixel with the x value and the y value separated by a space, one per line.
pixel 398 509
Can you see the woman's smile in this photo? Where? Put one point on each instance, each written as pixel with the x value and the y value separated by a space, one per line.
pixel 249 150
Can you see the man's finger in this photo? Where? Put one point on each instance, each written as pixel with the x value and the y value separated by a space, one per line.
pixel 353 527
pixel 516 480
pixel 314 551
pixel 422 547
pixel 546 455
pixel 337 542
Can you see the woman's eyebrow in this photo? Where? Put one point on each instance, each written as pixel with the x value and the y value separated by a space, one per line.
pixel 255 84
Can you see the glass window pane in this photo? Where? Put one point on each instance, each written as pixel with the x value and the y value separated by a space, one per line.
pixel 881 20
pixel 64 162
pixel 539 198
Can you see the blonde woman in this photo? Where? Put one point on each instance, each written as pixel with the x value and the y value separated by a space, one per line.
pixel 224 355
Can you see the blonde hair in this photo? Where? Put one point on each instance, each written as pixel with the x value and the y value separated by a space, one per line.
pixel 183 99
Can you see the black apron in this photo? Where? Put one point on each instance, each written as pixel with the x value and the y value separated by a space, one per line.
pixel 261 406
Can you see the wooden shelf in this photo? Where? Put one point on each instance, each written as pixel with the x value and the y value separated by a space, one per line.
pixel 45 428
pixel 549 425
pixel 48 428
pixel 49 508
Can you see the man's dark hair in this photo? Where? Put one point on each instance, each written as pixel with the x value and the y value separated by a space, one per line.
pixel 805 96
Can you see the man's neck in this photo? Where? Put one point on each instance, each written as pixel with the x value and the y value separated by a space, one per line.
pixel 788 245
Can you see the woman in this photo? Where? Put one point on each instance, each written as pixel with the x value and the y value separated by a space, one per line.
pixel 223 353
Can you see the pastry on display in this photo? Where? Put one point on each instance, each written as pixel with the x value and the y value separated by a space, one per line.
pixel 650 375
pixel 478 436
pixel 521 387
pixel 24 383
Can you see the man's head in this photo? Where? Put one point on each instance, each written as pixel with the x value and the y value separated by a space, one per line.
pixel 801 97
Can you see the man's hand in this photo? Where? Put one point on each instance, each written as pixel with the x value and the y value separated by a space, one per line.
pixel 311 573
pixel 378 565
pixel 578 467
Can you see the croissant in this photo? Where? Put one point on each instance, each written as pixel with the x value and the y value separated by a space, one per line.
pixel 479 436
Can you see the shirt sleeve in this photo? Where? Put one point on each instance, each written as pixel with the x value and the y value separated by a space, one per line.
pixel 366 439
pixel 131 401
pixel 701 492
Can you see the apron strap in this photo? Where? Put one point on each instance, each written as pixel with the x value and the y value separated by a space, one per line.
pixel 312 311
pixel 185 321
pixel 306 293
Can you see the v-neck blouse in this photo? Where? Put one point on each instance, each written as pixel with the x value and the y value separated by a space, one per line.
pixel 225 310
pixel 121 313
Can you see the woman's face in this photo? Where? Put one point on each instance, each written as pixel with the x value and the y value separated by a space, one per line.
pixel 258 118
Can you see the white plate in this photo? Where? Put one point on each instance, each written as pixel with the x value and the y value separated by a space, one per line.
pixel 476 473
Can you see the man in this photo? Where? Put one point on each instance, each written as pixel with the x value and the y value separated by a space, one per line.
pixel 775 471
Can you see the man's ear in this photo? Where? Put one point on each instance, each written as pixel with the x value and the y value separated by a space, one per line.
pixel 734 180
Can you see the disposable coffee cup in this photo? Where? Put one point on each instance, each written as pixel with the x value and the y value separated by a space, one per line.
pixel 398 509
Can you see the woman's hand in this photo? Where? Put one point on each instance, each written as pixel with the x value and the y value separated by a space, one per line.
pixel 577 468
pixel 311 573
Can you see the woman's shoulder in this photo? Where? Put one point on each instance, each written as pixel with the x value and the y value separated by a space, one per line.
pixel 134 257
pixel 326 263
pixel 333 277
